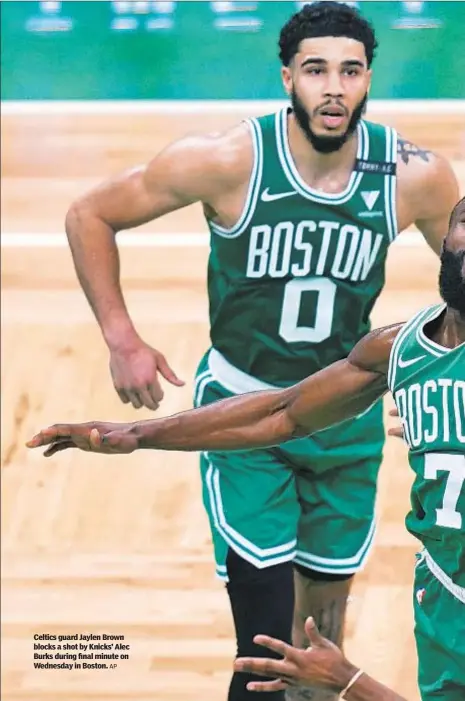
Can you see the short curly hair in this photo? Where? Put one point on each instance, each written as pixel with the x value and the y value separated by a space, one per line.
pixel 324 19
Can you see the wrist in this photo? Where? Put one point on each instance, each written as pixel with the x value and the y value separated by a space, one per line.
pixel 120 335
pixel 343 674
pixel 146 433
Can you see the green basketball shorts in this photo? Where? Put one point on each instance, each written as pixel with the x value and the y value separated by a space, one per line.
pixel 439 608
pixel 311 500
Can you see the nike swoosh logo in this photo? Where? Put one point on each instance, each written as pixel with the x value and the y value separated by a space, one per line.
pixel 269 197
pixel 406 363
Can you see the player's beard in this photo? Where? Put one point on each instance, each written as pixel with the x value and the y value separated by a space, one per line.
pixel 325 144
pixel 451 280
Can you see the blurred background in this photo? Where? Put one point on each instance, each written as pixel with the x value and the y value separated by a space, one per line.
pixel 121 545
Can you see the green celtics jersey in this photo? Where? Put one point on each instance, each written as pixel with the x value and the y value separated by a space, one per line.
pixel 428 385
pixel 292 285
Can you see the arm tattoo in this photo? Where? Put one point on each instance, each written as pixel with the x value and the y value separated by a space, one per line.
pixel 407 150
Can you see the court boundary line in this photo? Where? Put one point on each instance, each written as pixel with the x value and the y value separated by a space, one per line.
pixel 19 107
pixel 127 239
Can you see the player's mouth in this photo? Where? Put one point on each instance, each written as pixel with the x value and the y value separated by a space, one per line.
pixel 333 116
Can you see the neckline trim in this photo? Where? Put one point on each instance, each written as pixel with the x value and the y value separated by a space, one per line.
pixel 293 176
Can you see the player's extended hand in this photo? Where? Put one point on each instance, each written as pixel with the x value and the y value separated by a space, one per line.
pixel 134 369
pixel 322 664
pixel 94 436
pixel 397 431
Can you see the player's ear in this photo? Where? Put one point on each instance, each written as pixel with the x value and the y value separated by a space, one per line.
pixel 286 76
pixel 369 76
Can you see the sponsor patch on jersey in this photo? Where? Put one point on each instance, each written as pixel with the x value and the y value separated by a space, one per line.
pixel 420 595
pixel 370 198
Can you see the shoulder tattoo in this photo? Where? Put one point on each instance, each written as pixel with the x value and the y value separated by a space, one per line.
pixel 407 151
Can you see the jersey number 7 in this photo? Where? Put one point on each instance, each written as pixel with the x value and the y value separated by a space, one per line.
pixel 454 464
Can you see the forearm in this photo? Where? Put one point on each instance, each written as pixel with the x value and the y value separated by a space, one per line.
pixel 96 261
pixel 267 418
pixel 254 420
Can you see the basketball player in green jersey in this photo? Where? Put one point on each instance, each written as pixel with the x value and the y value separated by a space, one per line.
pixel 422 362
pixel 302 207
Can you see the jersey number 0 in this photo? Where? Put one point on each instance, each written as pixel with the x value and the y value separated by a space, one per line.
pixel 289 328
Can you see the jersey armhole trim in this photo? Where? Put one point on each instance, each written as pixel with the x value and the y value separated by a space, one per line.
pixel 398 344
pixel 390 185
pixel 253 189
pixel 427 343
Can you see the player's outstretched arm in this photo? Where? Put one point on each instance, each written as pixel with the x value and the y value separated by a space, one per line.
pixel 322 664
pixel 259 419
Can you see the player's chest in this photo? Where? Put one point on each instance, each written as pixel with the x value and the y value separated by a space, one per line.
pixel 432 410
pixel 304 246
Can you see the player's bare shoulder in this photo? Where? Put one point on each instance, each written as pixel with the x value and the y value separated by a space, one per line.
pixel 211 163
pixel 426 183
pixel 373 351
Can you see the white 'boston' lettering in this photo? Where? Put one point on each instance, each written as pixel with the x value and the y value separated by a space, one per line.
pixel 321 249
pixel 257 261
pixel 414 410
pixel 459 408
pixel 350 235
pixel 445 385
pixel 303 268
pixel 366 255
pixel 401 403
pixel 433 412
pixel 430 435
pixel 280 256
pixel 328 228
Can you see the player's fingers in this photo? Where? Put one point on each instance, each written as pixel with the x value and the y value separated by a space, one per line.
pixel 276 645
pixel 263 666
pixel 58 446
pixel 95 439
pixel 156 392
pixel 134 398
pixel 117 442
pixel 122 394
pixel 397 431
pixel 276 685
pixel 312 632
pixel 393 412
pixel 147 399
pixel 49 435
pixel 35 441
pixel 167 372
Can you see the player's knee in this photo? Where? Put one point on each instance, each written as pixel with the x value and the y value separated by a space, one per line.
pixel 262 601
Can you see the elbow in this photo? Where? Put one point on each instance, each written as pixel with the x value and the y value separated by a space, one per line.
pixel 75 217
pixel 290 429
pixel 82 217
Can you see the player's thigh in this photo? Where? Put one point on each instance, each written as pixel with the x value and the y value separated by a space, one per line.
pixel 251 502
pixel 250 496
pixel 440 638
pixel 337 519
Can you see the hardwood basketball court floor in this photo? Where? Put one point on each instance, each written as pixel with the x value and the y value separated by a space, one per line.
pixel 120 545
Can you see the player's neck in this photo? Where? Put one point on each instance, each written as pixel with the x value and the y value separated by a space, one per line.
pixel 325 171
pixel 452 330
